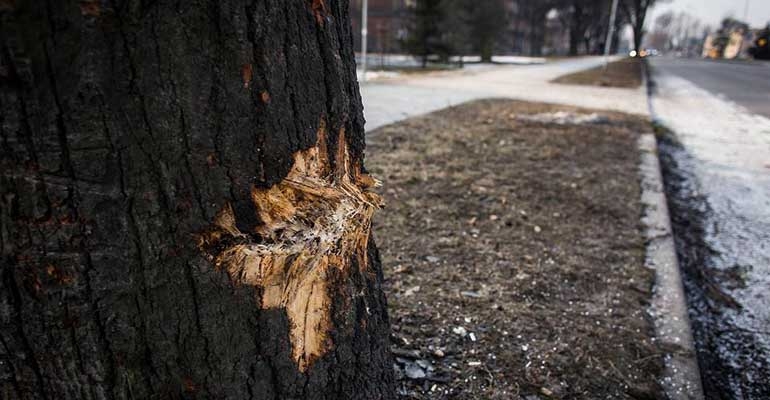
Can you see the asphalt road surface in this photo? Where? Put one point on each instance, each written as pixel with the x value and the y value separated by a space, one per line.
pixel 746 83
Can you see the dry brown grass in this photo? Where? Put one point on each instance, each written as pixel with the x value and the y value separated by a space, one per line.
pixel 526 235
pixel 626 73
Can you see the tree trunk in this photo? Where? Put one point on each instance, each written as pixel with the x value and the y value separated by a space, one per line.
pixel 537 34
pixel 184 211
pixel 638 33
pixel 574 41
pixel 487 50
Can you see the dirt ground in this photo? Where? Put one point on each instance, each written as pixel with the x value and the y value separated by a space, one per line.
pixel 513 254
pixel 626 73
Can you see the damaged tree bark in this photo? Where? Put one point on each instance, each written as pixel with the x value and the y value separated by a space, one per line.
pixel 184 211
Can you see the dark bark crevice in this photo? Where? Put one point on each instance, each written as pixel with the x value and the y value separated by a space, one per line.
pixel 15 295
pixel 11 368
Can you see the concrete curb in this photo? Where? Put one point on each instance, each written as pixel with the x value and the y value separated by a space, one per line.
pixel 681 377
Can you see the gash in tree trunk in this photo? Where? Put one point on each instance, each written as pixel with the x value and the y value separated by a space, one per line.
pixel 184 210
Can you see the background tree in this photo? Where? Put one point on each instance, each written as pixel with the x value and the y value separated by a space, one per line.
pixel 456 28
pixel 427 31
pixel 586 22
pixel 575 15
pixel 635 12
pixel 184 211
pixel 661 36
pixel 536 12
pixel 680 32
pixel 596 32
pixel 486 22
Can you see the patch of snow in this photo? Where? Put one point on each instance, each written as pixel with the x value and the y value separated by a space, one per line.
pixel 376 75
pixel 729 146
pixel 565 118
pixel 518 60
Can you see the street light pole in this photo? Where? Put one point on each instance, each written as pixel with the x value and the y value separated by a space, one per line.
pixel 610 33
pixel 746 12
pixel 364 34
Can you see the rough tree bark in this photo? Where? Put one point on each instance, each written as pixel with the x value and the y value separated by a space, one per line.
pixel 184 211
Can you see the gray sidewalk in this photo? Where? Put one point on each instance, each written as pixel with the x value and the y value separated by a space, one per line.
pixel 392 100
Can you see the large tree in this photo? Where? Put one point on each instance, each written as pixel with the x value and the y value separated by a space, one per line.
pixel 587 22
pixel 535 12
pixel 184 211
pixel 486 23
pixel 428 31
pixel 635 12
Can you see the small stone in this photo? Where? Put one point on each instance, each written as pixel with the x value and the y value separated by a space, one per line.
pixel 459 330
pixel 472 336
pixel 432 259
pixel 411 290
pixel 537 229
pixel 401 269
pixel 438 353
pixel 413 371
pixel 474 363
pixel 546 391
pixel 493 217
pixel 407 353
pixel 475 295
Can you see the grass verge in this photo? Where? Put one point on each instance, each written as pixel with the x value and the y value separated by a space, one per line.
pixel 625 73
pixel 513 253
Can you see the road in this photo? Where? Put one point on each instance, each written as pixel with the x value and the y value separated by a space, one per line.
pixel 747 84
pixel 718 181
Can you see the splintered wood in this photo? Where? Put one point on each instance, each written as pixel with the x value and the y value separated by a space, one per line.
pixel 314 225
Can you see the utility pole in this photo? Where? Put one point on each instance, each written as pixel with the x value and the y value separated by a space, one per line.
pixel 364 34
pixel 610 33
pixel 746 12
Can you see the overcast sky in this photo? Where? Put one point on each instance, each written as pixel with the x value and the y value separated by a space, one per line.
pixel 711 12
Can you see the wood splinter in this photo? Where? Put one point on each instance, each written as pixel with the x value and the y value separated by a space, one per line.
pixel 314 223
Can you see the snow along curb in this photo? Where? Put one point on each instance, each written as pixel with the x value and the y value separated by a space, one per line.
pixel 681 376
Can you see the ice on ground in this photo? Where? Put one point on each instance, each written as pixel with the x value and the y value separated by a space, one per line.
pixel 565 118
